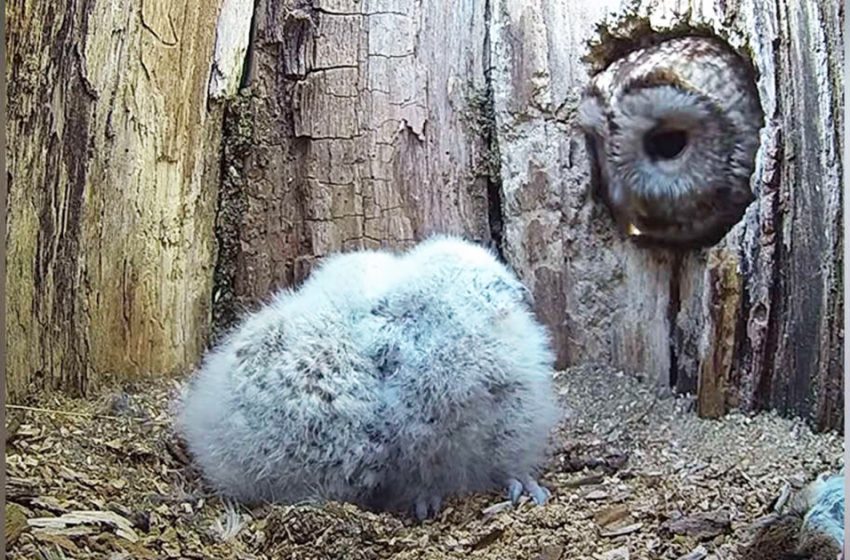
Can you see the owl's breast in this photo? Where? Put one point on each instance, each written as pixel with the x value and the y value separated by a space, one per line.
pixel 701 216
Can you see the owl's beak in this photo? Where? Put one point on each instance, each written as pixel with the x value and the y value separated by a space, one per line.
pixel 632 230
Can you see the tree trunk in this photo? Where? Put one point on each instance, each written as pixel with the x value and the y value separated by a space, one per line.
pixel 112 168
pixel 375 123
pixel 362 127
pixel 756 320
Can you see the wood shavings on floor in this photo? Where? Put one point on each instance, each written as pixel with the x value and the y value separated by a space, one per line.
pixel 634 475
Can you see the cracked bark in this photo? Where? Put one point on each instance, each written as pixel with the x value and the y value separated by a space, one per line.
pixel 109 256
pixel 363 135
pixel 755 322
pixel 374 123
pixel 379 122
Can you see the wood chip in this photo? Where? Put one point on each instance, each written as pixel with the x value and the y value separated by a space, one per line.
pixel 782 499
pixel 13 429
pixel 123 527
pixel 49 503
pixel 703 525
pixel 596 495
pixel 585 481
pixel 551 552
pixel 497 508
pixel 610 515
pixel 489 538
pixel 59 540
pixel 76 531
pixel 153 490
pixel 696 554
pixel 15 523
pixel 118 484
pixel 17 487
pixel 621 553
pixel 620 531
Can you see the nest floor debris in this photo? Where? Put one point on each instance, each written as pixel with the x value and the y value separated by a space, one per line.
pixel 634 475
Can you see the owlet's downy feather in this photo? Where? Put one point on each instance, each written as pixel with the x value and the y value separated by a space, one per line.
pixel 387 381
pixel 811 529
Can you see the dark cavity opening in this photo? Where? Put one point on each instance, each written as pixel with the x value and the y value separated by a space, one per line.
pixel 665 143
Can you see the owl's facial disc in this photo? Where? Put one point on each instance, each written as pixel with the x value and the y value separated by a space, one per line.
pixel 675 130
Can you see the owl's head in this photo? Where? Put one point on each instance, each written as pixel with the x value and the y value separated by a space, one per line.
pixel 673 131
pixel 468 268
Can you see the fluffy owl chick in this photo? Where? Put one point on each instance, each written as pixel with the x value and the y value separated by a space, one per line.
pixel 351 281
pixel 812 529
pixel 390 389
pixel 823 523
pixel 673 130
pixel 467 374
pixel 282 409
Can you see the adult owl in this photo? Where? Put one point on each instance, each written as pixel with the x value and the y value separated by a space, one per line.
pixel 673 130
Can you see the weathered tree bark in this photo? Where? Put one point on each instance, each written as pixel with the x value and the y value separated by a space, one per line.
pixel 358 126
pixel 361 127
pixel 375 123
pixel 753 322
pixel 112 168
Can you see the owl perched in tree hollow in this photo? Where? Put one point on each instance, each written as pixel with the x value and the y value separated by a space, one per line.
pixel 673 131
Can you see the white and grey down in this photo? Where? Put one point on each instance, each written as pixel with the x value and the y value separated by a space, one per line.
pixel 389 381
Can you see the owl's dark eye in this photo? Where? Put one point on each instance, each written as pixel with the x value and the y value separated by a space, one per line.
pixel 667 143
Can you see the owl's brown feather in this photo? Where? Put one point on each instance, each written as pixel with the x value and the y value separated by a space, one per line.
pixel 673 130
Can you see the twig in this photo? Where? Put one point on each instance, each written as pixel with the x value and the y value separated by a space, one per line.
pixel 62 412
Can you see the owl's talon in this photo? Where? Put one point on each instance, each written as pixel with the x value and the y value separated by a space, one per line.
pixel 539 494
pixel 514 490
pixel 427 507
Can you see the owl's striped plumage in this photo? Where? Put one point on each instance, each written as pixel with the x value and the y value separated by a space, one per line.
pixel 673 131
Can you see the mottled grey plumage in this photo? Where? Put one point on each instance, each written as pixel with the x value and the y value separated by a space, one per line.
pixel 812 528
pixel 387 381
pixel 824 505
pixel 673 131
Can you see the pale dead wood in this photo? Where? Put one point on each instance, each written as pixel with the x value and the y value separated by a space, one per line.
pixel 112 177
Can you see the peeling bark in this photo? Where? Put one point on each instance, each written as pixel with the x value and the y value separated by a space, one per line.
pixel 363 138
pixel 374 123
pixel 233 32
pixel 365 134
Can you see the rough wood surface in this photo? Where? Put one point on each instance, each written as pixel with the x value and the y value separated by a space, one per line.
pixel 112 189
pixel 753 322
pixel 360 127
pixel 376 122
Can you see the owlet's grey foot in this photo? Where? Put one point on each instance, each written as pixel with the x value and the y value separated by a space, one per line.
pixel 526 484
pixel 427 507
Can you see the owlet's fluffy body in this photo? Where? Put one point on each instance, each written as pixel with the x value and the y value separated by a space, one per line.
pixel 812 528
pixel 387 381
